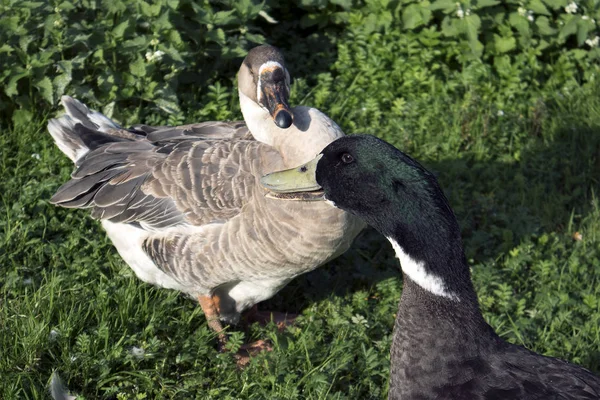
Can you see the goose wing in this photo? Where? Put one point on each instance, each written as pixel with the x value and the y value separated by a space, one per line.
pixel 175 176
pixel 204 130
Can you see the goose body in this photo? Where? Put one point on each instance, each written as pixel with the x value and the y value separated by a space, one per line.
pixel 183 205
pixel 442 347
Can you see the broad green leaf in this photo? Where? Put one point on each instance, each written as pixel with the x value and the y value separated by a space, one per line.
pixel 538 7
pixel 217 35
pixel 345 4
pixel 60 83
pixel 119 30
pixel 255 38
pixel 11 88
pixel 172 52
pixel 138 43
pixel 582 31
pixel 81 38
pixel 504 44
pixel 411 17
pixel 450 26
pixel 109 109
pixel 10 24
pixel 162 23
pixel 520 23
pixel 66 6
pixel 44 85
pixel 150 10
pixel 114 6
pixel 446 5
pixel 224 17
pixel 168 106
pixel 138 67
pixel 543 24
pixel 5 48
pixel 24 42
pixel 22 117
pixel 175 38
pixel 555 4
pixel 578 54
pixel 66 66
pixel 472 24
pixel 173 4
pixel 570 26
pixel 486 3
pixel 31 4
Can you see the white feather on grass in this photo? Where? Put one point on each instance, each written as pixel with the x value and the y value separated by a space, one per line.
pixel 58 391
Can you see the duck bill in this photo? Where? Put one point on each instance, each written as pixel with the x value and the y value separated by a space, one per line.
pixel 298 183
pixel 275 96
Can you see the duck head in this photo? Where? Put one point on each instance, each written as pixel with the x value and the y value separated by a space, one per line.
pixel 393 193
pixel 366 176
pixel 264 80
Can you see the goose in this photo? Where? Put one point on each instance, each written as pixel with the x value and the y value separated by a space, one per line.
pixel 183 205
pixel 442 347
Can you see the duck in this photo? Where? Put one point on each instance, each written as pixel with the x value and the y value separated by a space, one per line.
pixel 183 205
pixel 442 348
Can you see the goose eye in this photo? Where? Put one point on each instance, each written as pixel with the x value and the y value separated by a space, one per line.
pixel 347 158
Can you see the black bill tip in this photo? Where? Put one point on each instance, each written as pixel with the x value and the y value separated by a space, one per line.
pixel 283 119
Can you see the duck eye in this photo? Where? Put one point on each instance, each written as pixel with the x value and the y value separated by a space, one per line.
pixel 347 158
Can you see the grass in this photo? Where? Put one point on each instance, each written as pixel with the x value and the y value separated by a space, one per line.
pixel 524 188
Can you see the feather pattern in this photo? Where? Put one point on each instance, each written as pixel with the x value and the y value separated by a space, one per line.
pixel 184 207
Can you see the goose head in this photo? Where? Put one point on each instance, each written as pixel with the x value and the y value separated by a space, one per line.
pixel 264 88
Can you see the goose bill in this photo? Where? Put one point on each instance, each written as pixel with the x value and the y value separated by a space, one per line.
pixel 275 99
pixel 298 183
pixel 274 95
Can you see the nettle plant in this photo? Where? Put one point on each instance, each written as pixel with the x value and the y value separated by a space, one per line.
pixel 551 31
pixel 141 54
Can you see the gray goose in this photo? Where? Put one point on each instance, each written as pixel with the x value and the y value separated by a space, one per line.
pixel 442 347
pixel 183 205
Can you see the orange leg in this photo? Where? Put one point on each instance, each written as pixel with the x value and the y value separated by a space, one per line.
pixel 211 311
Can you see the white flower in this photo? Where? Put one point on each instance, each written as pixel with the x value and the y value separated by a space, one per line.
pixel 571 8
pixel 468 11
pixel 36 156
pixel 137 352
pixel 500 113
pixel 53 334
pixel 530 16
pixel 585 18
pixel 522 11
pixel 593 42
pixel 460 13
pixel 156 56
pixel 154 42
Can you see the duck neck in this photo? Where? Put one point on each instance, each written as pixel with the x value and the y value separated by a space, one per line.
pixel 437 280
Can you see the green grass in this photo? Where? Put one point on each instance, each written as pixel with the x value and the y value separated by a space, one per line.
pixel 69 304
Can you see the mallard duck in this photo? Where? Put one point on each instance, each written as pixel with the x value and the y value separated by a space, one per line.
pixel 183 205
pixel 442 347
